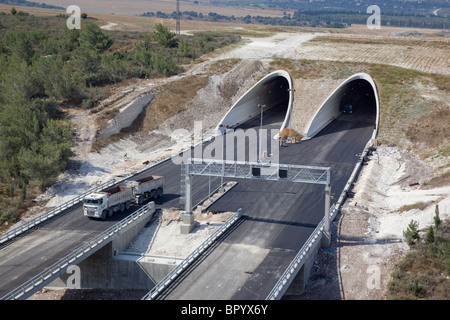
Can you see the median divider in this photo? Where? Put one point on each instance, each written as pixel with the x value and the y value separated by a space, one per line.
pixel 167 280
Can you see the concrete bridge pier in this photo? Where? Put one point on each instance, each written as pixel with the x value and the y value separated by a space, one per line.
pixel 112 268
pixel 326 237
pixel 298 285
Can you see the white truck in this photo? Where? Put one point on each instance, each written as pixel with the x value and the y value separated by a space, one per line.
pixel 120 197
pixel 151 187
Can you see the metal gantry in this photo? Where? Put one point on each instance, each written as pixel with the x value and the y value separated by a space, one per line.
pixel 258 170
pixel 251 170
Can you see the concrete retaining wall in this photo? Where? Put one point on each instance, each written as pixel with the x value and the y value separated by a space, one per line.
pixel 102 270
pixel 299 283
pixel 105 269
pixel 127 115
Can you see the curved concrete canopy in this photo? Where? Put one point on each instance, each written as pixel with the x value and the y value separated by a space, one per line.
pixel 360 92
pixel 275 90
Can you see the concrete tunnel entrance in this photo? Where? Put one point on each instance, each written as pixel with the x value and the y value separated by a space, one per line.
pixel 274 92
pixel 358 96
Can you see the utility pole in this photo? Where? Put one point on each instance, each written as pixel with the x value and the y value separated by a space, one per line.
pixel 178 28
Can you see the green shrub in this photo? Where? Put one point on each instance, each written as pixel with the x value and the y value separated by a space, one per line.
pixel 8 215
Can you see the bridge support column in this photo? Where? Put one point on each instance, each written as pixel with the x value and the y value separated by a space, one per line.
pixel 326 238
pixel 188 221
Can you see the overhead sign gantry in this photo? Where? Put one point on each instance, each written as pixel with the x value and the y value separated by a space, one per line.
pixel 257 171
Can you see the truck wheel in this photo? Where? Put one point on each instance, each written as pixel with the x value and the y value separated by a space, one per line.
pixel 154 194
pixel 110 212
pixel 140 200
pixel 122 207
pixel 127 205
pixel 103 215
pixel 160 192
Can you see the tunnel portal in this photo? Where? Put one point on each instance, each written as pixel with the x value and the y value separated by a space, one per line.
pixel 358 96
pixel 273 93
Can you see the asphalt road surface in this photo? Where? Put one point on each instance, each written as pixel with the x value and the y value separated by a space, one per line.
pixel 244 264
pixel 278 218
pixel 32 252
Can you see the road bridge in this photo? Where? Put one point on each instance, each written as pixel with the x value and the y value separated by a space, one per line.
pixel 247 262
pixel 278 218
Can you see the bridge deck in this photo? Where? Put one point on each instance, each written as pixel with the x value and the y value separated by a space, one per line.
pixel 278 218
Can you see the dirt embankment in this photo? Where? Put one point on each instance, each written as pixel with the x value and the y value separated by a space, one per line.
pixel 368 234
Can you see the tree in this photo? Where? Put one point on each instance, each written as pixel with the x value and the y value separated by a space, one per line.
pixel 55 78
pixel 164 64
pixel 93 35
pixel 429 238
pixel 114 67
pixel 437 219
pixel 87 62
pixel 13 11
pixel 69 40
pixel 411 234
pixel 47 156
pixel 164 36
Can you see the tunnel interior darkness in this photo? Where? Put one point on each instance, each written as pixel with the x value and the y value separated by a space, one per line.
pixel 274 92
pixel 275 96
pixel 360 95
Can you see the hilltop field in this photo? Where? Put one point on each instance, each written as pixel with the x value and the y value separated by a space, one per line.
pixel 411 68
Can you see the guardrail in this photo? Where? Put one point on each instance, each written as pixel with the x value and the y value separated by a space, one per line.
pixel 55 211
pixel 167 280
pixel 289 274
pixel 89 247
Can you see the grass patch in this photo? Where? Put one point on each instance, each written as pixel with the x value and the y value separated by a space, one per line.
pixel 418 205
pixel 170 99
pixel 423 273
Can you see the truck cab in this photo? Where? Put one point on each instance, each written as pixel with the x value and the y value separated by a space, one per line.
pixel 95 205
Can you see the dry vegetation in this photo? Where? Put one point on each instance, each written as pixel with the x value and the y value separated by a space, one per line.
pixel 424 272
pixel 423 54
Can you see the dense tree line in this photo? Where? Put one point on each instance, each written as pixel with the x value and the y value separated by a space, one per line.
pixel 25 3
pixel 318 18
pixel 42 69
pixel 387 6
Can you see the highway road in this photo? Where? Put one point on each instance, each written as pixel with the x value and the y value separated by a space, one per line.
pixel 278 217
pixel 37 249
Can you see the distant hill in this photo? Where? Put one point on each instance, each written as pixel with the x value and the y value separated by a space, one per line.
pixel 25 3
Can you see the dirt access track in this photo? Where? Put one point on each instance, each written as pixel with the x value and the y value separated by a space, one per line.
pixel 368 233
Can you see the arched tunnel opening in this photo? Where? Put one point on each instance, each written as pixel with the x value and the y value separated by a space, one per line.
pixel 268 104
pixel 274 99
pixel 357 97
pixel 273 95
